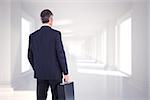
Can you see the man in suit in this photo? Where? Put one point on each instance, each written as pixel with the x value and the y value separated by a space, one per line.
pixel 47 57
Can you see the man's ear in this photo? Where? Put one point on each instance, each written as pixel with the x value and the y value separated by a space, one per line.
pixel 49 19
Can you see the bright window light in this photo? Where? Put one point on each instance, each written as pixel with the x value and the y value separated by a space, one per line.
pixel 25 30
pixel 125 46
pixel 116 46
pixel 103 46
pixel 75 48
pixel 101 72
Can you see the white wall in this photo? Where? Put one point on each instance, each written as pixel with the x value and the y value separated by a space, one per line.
pixel 5 57
pixel 136 86
pixel 10 33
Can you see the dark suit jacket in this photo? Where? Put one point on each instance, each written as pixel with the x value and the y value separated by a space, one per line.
pixel 46 54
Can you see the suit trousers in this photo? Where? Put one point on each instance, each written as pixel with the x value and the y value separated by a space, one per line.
pixel 43 86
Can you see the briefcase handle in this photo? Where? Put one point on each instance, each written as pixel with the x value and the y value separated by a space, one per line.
pixel 65 83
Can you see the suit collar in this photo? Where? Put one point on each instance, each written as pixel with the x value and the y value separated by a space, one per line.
pixel 45 26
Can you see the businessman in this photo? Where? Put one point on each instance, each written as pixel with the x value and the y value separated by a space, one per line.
pixel 47 57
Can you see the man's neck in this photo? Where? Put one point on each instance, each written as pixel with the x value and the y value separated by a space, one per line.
pixel 46 24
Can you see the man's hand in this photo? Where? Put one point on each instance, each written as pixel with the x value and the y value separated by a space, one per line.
pixel 66 78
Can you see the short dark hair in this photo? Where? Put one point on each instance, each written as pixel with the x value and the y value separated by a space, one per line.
pixel 45 15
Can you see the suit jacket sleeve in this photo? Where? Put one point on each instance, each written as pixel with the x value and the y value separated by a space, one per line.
pixel 61 54
pixel 30 53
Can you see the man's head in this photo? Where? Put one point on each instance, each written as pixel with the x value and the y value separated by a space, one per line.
pixel 46 16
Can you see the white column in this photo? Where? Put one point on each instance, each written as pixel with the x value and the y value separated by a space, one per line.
pixel 5 57
pixel 110 44
pixel 15 40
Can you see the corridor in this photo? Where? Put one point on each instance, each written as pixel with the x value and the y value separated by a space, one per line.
pixel 106 43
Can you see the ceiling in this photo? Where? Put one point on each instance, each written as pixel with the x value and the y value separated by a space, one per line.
pixel 78 18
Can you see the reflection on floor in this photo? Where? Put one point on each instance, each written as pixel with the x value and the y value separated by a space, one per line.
pixel 19 95
pixel 87 87
pixel 24 82
pixel 23 89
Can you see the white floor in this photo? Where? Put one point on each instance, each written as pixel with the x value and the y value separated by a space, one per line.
pixel 10 94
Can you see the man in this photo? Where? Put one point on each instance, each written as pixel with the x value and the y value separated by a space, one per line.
pixel 47 57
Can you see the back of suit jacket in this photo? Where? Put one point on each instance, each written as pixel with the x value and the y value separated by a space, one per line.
pixel 46 54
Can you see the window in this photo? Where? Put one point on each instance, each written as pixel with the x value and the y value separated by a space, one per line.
pixel 123 48
pixel 25 31
pixel 103 45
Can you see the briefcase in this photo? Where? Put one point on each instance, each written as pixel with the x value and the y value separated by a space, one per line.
pixel 66 91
